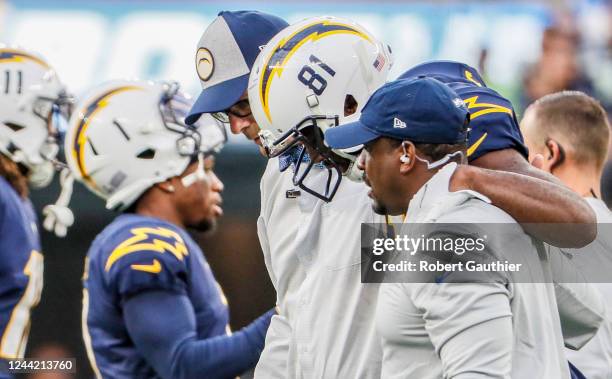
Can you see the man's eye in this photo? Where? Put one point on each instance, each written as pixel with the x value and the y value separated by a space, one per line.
pixel 209 164
pixel 242 106
pixel 243 110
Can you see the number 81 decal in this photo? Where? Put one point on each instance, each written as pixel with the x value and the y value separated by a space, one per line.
pixel 309 77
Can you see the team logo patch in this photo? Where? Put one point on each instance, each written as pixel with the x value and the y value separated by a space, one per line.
pixel 205 63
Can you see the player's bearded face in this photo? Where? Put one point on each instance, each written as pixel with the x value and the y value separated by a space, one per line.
pixel 380 161
pixel 200 203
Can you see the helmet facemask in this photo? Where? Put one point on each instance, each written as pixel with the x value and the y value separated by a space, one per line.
pixel 301 85
pixel 41 112
pixel 308 135
pixel 311 138
pixel 194 139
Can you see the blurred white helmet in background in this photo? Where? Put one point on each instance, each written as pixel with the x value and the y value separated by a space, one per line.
pixel 34 107
pixel 125 136
pixel 305 78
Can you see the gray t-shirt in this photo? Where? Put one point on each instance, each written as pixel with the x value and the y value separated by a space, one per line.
pixel 469 330
pixel 594 360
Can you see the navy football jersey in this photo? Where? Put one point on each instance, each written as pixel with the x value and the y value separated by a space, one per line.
pixel 21 270
pixel 134 254
pixel 493 122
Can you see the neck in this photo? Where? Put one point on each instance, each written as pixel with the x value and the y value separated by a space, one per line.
pixel 415 182
pixel 156 203
pixel 583 180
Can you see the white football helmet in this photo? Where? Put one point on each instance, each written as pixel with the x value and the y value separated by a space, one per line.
pixel 125 136
pixel 34 107
pixel 302 81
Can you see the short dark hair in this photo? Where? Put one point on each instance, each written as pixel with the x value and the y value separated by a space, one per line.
pixel 433 151
pixel 580 119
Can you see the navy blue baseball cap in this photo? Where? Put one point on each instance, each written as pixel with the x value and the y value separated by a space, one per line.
pixel 225 55
pixel 446 72
pixel 422 110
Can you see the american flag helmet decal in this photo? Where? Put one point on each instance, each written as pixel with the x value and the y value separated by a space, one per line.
pixel 379 63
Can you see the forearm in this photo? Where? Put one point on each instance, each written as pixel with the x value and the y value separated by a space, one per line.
pixel 529 199
pixel 223 356
pixel 168 340
pixel 532 197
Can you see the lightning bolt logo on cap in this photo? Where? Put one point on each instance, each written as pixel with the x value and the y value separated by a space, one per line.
pixel 205 63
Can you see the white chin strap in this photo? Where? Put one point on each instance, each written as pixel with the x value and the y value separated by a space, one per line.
pixel 440 162
pixel 197 176
pixel 58 217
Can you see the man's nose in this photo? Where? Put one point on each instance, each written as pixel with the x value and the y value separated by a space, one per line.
pixel 217 184
pixel 361 160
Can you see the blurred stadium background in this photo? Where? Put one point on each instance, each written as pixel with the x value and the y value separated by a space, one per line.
pixel 525 50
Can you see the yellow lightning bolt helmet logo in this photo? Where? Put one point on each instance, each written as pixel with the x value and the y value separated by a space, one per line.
pixel 287 46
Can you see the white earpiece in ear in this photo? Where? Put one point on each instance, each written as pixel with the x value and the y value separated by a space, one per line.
pixel 405 159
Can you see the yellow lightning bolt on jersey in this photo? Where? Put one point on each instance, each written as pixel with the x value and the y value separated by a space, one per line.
pixel 482 109
pixel 485 108
pixel 143 239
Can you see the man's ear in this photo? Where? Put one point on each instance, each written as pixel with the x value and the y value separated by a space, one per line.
pixel 554 155
pixel 407 153
pixel 166 186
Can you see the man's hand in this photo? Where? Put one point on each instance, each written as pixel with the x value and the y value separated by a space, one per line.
pixel 537 161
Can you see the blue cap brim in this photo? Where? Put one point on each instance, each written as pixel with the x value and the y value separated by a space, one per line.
pixel 349 135
pixel 218 97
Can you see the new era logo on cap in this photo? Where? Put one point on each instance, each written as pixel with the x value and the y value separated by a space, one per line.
pixel 458 102
pixel 398 124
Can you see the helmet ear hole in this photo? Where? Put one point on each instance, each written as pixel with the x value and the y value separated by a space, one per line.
pixel 146 154
pixel 14 127
pixel 350 105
